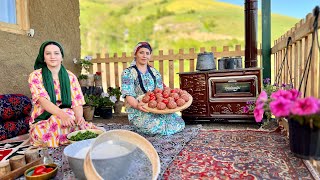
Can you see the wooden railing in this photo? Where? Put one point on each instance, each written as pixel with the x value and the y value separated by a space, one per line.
pixel 298 52
pixel 168 64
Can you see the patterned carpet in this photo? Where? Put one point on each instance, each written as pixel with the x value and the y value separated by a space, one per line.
pixel 210 154
pixel 237 154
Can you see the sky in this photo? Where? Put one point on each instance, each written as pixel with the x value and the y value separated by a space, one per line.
pixel 293 8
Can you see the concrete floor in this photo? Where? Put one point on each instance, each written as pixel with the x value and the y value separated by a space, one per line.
pixel 123 119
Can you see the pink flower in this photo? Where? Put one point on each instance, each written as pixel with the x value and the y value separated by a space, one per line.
pixel 46 137
pixel 62 138
pixel 79 97
pixel 282 94
pixel 53 127
pixel 258 113
pixel 280 107
pixel 263 97
pixel 35 81
pixel 43 94
pixel 294 94
pixel 305 106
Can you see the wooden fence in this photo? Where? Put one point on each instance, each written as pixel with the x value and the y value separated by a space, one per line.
pixel 168 64
pixel 298 52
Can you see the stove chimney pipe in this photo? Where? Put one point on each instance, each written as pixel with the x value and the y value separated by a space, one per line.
pixel 251 26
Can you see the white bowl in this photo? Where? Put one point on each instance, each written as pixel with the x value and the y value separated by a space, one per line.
pixel 97 131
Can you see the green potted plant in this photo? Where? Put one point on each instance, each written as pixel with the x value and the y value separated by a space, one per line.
pixel 86 65
pixel 106 102
pixel 83 80
pixel 118 104
pixel 88 109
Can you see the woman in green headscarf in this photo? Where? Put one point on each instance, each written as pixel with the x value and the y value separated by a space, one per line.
pixel 57 99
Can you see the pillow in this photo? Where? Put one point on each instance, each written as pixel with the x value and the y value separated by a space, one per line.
pixel 14 106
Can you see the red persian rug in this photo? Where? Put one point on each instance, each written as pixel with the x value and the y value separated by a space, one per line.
pixel 237 154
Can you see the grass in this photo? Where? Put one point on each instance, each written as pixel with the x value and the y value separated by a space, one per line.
pixel 166 24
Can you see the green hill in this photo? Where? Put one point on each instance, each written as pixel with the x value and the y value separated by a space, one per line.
pixel 115 26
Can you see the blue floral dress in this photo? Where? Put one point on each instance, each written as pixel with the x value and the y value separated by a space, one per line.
pixel 148 123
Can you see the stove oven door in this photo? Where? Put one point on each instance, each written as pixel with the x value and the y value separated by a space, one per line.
pixel 233 87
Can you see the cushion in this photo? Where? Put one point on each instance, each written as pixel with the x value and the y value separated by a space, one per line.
pixel 14 106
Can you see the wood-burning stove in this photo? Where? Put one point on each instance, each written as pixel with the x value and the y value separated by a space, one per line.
pixel 220 95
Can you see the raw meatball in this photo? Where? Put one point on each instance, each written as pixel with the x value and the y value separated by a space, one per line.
pixel 183 92
pixel 146 99
pixel 152 104
pixel 160 99
pixel 158 95
pixel 148 93
pixel 170 99
pixel 157 90
pixel 161 106
pixel 185 97
pixel 177 90
pixel 166 94
pixel 172 105
pixel 180 102
pixel 175 96
pixel 167 89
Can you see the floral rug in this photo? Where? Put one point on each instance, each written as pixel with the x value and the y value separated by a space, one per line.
pixel 237 154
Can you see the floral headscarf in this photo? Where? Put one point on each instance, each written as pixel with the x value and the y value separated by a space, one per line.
pixel 136 49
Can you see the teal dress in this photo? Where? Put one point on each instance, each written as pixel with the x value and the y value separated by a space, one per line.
pixel 148 123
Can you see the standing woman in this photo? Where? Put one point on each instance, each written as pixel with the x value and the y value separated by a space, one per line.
pixel 57 99
pixel 136 81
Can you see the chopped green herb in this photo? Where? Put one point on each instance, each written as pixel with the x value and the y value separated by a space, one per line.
pixel 82 136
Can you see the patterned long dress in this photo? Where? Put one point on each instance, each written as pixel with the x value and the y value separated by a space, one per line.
pixel 51 132
pixel 148 123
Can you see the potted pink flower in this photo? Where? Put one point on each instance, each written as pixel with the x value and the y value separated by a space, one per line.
pixel 303 115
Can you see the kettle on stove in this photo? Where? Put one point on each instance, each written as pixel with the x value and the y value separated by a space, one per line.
pixel 205 61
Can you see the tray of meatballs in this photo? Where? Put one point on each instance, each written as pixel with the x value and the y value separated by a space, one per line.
pixel 166 101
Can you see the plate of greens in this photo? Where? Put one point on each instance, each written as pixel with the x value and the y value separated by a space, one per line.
pixel 84 134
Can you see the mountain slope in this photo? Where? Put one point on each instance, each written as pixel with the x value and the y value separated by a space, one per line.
pixel 115 26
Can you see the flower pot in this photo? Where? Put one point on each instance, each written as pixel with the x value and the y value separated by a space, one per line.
pixel 98 82
pixel 83 82
pixel 90 80
pixel 304 141
pixel 106 112
pixel 97 112
pixel 118 107
pixel 88 112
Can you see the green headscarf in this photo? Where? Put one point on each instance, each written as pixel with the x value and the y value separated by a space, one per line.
pixel 48 81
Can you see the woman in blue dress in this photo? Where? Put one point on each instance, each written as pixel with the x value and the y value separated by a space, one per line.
pixel 136 81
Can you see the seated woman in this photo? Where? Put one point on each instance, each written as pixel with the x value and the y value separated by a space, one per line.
pixel 57 99
pixel 136 81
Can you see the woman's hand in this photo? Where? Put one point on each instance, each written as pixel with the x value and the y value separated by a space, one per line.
pixel 80 121
pixel 140 107
pixel 66 120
